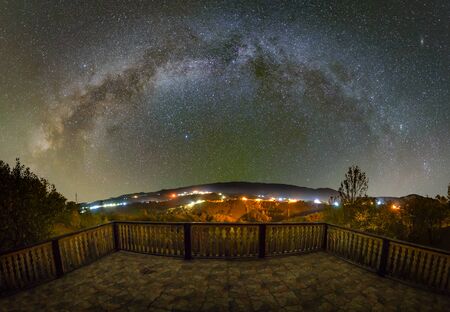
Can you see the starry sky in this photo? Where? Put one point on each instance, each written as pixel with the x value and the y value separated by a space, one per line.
pixel 104 99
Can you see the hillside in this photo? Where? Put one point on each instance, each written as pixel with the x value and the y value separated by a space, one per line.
pixel 266 190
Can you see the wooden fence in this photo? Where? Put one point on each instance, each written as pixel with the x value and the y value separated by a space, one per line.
pixel 359 248
pixel 166 239
pixel 45 261
pixel 85 247
pixel 29 266
pixel 224 240
pixel 415 264
pixel 294 238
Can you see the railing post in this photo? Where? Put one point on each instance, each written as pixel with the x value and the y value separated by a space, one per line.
pixel 187 242
pixel 57 258
pixel 325 236
pixel 384 257
pixel 116 236
pixel 262 241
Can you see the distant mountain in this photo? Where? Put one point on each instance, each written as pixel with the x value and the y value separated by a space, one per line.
pixel 257 188
pixel 231 188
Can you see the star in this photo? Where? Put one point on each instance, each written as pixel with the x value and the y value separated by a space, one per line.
pixel 289 93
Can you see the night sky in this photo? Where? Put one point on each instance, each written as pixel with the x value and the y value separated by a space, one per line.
pixel 107 99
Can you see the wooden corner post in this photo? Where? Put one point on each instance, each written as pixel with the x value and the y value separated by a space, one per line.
pixel 57 258
pixel 262 241
pixel 383 257
pixel 116 236
pixel 325 236
pixel 187 242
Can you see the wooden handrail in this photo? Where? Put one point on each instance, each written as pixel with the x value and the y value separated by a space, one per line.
pixel 447 252
pixel 220 223
pixel 30 265
pixel 11 250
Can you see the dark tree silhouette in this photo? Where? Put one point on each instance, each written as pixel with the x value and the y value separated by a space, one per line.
pixel 424 218
pixel 354 186
pixel 29 206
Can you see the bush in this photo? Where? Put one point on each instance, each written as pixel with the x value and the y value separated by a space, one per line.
pixel 29 206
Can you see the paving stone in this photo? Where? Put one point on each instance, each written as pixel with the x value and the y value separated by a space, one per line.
pixel 136 282
pixel 287 298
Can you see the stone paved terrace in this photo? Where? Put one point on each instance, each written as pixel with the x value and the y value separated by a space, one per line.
pixel 126 281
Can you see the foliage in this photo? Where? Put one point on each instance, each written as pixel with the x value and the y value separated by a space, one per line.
pixel 275 214
pixel 424 217
pixel 417 219
pixel 29 206
pixel 32 210
pixel 354 186
pixel 255 215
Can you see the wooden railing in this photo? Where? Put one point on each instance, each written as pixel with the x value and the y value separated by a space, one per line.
pixel 415 264
pixel 419 265
pixel 294 238
pixel 225 240
pixel 404 261
pixel 363 249
pixel 27 267
pixel 165 239
pixel 45 261
pixel 85 247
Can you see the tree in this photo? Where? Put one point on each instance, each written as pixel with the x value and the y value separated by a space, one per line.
pixel 29 206
pixel 354 186
pixel 424 218
pixel 442 199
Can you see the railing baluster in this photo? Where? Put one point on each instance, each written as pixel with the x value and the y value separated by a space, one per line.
pixel 409 262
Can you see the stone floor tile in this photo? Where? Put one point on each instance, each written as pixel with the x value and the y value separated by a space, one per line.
pixel 136 282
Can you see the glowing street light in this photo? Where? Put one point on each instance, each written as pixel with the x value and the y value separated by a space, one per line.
pixel 244 198
pixel 317 201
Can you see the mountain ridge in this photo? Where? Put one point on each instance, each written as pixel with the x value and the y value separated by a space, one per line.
pixel 237 187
